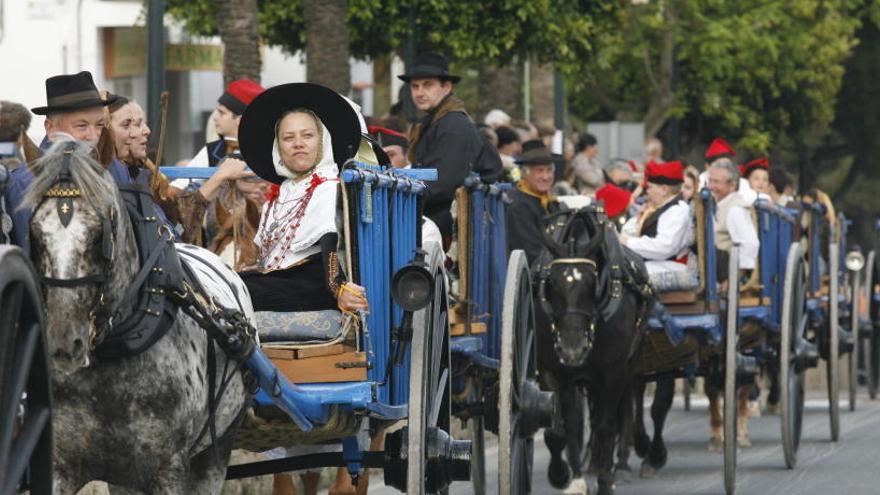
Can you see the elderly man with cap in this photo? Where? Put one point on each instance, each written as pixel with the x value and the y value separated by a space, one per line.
pixel 663 228
pixel 718 149
pixel 733 222
pixel 531 200
pixel 446 138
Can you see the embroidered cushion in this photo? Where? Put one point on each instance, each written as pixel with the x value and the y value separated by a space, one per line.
pixel 302 327
pixel 668 281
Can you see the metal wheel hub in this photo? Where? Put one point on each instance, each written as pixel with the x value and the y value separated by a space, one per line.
pixel 538 408
pixel 447 459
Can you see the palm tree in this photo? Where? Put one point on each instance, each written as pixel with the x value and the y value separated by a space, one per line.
pixel 327 44
pixel 237 23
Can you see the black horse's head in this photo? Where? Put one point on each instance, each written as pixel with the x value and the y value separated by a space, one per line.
pixel 568 290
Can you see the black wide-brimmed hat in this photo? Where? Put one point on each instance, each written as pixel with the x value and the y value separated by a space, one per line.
pixel 65 93
pixel 535 153
pixel 256 131
pixel 430 65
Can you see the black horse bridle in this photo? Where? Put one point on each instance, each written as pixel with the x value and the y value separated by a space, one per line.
pixel 544 273
pixel 64 191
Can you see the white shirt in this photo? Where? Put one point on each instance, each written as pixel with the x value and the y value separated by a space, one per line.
pixel 742 232
pixel 672 235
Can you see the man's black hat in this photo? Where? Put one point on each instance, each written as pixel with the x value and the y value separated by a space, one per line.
pixel 65 93
pixel 430 65
pixel 535 153
pixel 256 131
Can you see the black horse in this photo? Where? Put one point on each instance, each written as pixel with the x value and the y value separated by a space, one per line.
pixel 593 298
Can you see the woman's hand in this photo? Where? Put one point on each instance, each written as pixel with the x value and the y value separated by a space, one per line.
pixel 352 297
pixel 233 169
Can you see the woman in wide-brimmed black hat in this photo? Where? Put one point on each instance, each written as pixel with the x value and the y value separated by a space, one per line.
pixel 296 136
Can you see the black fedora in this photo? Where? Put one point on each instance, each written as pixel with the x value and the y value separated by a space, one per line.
pixel 71 92
pixel 535 153
pixel 430 65
pixel 256 131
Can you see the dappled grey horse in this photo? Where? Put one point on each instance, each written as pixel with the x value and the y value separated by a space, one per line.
pixel 140 423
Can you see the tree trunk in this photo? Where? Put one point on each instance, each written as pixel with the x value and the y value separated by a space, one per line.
pixel 327 44
pixel 237 23
pixel 500 87
pixel 543 109
pixel 662 97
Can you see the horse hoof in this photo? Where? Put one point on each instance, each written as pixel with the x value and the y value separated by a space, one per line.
pixel 647 471
pixel 642 444
pixel 773 408
pixel 559 474
pixel 593 485
pixel 743 441
pixel 657 457
pixel 623 474
pixel 716 445
pixel 576 487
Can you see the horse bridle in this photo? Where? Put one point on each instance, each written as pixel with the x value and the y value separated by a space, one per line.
pixel 542 294
pixel 64 191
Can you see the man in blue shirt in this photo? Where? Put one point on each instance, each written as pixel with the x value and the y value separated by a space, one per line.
pixel 74 107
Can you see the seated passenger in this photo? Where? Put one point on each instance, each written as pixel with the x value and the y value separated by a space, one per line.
pixel 531 201
pixel 756 180
pixel 291 144
pixel 733 222
pixel 662 229
pixel 616 201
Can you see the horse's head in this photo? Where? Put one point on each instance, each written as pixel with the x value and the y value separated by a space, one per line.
pixel 76 225
pixel 568 290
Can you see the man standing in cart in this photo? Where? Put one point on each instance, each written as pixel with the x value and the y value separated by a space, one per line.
pixel 445 139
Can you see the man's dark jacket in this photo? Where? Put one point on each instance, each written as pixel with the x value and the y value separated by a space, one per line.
pixel 447 139
pixel 525 223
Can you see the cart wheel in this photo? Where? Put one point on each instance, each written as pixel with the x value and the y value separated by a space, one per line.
pixel 25 397
pixel 854 329
pixel 833 363
pixel 687 394
pixel 730 394
pixel 522 407
pixel 872 351
pixel 477 428
pixel 433 458
pixel 791 372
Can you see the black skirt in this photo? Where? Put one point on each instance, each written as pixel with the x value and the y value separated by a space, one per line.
pixel 298 288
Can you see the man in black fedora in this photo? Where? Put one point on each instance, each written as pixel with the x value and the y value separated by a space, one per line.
pixel 445 138
pixel 531 200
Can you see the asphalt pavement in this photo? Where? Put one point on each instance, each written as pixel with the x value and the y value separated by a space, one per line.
pixel 850 466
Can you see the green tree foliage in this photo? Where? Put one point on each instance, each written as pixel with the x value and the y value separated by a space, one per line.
pixel 492 30
pixel 752 70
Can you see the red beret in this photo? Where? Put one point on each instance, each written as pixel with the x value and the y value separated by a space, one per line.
pixel 746 169
pixel 388 137
pixel 616 199
pixel 719 147
pixel 669 173
pixel 240 94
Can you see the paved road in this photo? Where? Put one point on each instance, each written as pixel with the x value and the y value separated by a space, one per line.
pixel 850 466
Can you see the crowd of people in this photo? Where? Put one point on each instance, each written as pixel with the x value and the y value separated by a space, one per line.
pixel 269 209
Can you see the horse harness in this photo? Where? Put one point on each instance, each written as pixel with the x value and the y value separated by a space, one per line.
pixel 622 269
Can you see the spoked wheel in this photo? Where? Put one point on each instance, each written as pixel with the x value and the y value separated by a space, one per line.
pixel 477 428
pixel 25 397
pixel 433 458
pixel 833 363
pixel 730 394
pixel 522 407
pixel 854 306
pixel 791 370
pixel 871 355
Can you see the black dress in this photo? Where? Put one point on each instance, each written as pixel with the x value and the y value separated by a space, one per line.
pixel 308 286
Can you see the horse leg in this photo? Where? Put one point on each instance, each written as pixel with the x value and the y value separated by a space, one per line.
pixel 605 428
pixel 573 424
pixel 622 471
pixel 641 440
pixel 558 472
pixel 742 417
pixel 716 420
pixel 659 409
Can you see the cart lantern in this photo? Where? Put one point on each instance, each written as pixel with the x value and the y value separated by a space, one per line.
pixel 412 287
pixel 855 261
